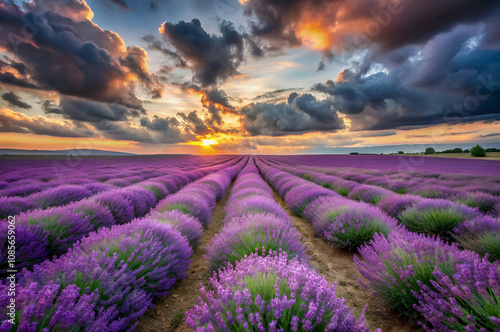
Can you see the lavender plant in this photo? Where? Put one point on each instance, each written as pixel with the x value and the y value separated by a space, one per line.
pixel 481 235
pixel 399 265
pixel 467 301
pixel 435 216
pixel 271 294
pixel 244 234
pixel 189 226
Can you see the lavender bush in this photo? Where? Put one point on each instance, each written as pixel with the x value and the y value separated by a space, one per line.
pixel 394 204
pixel 483 201
pixel 120 207
pixel 271 294
pixel 187 204
pixel 435 216
pixel 399 265
pixel 58 196
pixel 189 226
pixel 298 197
pixel 482 235
pixel 244 234
pixel 345 223
pixel 467 301
pixel 254 204
pixel 11 206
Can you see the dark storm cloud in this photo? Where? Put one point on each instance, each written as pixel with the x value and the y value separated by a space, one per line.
pixel 71 55
pixel 155 44
pixel 490 135
pixel 15 100
pixel 301 113
pixel 452 79
pixel 358 23
pixel 90 111
pixel 120 3
pixel 156 131
pixel 195 123
pixel 212 58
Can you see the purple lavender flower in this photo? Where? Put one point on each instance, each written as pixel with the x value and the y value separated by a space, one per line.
pixel 119 182
pixel 481 234
pixel 158 189
pixel 11 206
pixel 483 201
pixel 239 194
pixel 435 216
pixel 345 223
pixel 58 196
pixel 120 207
pixel 186 224
pixel 155 252
pixel 394 204
pixel 141 199
pixel 368 194
pixel 433 191
pixel 31 245
pixel 97 187
pixel 466 301
pixel 271 291
pixel 298 197
pixel 24 190
pixel 98 214
pixel 187 204
pixel 64 227
pixel 398 265
pixel 246 234
pixel 254 204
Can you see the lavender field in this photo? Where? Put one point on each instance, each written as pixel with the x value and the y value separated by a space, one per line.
pixel 249 243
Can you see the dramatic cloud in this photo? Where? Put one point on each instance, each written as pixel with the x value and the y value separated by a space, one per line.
pixel 15 100
pixel 354 24
pixel 71 55
pixel 451 79
pixel 90 111
pixel 194 123
pixel 212 58
pixel 15 122
pixel 301 113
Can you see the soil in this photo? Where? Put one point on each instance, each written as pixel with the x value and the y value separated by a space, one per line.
pixel 335 264
pixel 168 312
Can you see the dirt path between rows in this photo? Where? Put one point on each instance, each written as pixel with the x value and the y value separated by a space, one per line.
pixel 337 265
pixel 168 313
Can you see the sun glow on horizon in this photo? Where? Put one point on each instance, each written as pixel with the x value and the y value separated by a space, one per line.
pixel 208 142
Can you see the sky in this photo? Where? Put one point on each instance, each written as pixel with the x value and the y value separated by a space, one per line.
pixel 249 76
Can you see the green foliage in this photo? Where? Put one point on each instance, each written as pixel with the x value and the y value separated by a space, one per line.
pixel 478 151
pixel 430 151
pixel 401 152
pixel 354 153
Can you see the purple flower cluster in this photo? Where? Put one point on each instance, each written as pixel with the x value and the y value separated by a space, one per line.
pixel 189 226
pixel 397 266
pixel 347 224
pixel 105 282
pixel 250 232
pixel 481 234
pixel 394 204
pixel 435 216
pixel 271 293
pixel 466 301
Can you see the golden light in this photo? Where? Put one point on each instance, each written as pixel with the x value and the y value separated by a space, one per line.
pixel 314 35
pixel 208 142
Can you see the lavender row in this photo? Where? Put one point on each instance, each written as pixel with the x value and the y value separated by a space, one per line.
pixel 446 288
pixel 41 234
pixel 475 191
pixel 110 278
pixel 25 180
pixel 260 284
pixel 452 221
pixel 342 222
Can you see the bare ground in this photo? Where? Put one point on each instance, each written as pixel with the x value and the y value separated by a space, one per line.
pixel 337 265
pixel 168 313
